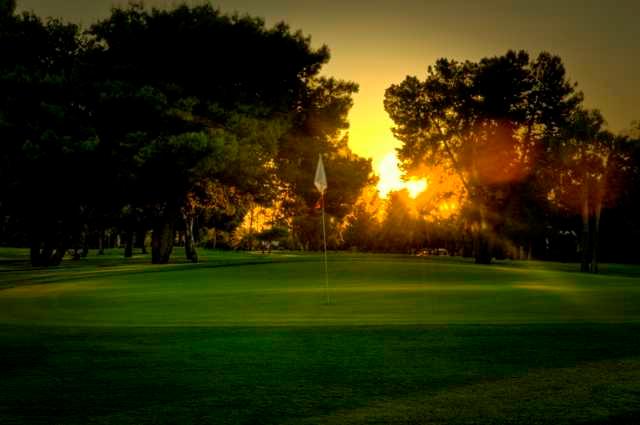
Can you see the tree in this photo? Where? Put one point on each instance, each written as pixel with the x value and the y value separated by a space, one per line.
pixel 48 145
pixel 621 217
pixel 319 127
pixel 398 230
pixel 485 121
pixel 362 227
pixel 592 162
pixel 158 104
pixel 189 95
pixel 7 8
pixel 526 219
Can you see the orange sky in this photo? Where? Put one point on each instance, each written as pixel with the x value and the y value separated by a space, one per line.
pixel 377 43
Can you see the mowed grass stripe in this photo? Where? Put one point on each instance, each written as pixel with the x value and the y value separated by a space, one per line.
pixel 272 375
pixel 597 393
pixel 380 291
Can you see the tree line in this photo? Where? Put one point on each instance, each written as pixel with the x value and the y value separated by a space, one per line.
pixel 158 120
pixel 534 165
pixel 189 120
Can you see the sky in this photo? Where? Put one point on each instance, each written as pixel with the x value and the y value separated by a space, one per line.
pixel 378 43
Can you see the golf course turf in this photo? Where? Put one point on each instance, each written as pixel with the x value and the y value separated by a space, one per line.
pixel 248 339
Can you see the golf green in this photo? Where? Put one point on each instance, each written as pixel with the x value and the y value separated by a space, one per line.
pixel 244 338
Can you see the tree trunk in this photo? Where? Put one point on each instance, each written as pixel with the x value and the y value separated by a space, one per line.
pixel 101 237
pixel 189 242
pixel 83 243
pixel 584 265
pixel 141 235
pixel 251 229
pixel 468 248
pixel 162 238
pixel 521 253
pixel 481 243
pixel 596 236
pixel 128 247
pixel 482 248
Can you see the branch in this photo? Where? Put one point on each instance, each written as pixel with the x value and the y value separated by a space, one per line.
pixel 453 159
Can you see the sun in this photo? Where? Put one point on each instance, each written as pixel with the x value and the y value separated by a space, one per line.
pixel 391 178
pixel 416 187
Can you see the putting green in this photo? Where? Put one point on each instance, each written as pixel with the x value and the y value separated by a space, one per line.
pixel 364 290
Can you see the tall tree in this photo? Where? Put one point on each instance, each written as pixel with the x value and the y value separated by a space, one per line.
pixel 7 8
pixel 398 230
pixel 621 216
pixel 319 127
pixel 592 162
pixel 362 227
pixel 484 121
pixel 188 95
pixel 48 145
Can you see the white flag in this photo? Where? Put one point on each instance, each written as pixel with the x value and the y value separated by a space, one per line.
pixel 321 178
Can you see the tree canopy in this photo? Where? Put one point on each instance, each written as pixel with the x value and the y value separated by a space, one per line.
pixel 150 111
pixel 488 121
pixel 184 121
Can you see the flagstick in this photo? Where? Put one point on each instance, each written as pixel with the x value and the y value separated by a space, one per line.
pixel 324 237
pixel 320 182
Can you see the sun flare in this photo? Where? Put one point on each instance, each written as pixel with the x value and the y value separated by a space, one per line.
pixel 391 178
pixel 416 187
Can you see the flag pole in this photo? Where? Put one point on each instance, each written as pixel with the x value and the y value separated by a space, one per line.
pixel 326 267
pixel 320 181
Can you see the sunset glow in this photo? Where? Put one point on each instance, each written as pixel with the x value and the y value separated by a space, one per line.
pixel 391 178
pixel 319 211
pixel 416 187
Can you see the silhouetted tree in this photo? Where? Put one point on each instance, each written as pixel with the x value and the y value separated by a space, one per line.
pixel 620 219
pixel 362 227
pixel 48 145
pixel 318 128
pixel 590 175
pixel 190 95
pixel 7 8
pixel 483 120
pixel 398 230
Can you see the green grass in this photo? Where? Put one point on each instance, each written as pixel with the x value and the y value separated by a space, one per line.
pixel 245 338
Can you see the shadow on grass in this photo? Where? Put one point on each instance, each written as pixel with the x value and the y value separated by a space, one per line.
pixel 550 373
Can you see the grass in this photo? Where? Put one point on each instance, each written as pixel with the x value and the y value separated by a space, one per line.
pixel 244 338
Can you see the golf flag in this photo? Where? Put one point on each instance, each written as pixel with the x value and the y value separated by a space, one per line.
pixel 321 184
pixel 321 178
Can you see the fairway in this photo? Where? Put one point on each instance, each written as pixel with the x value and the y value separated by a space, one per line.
pixel 243 338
